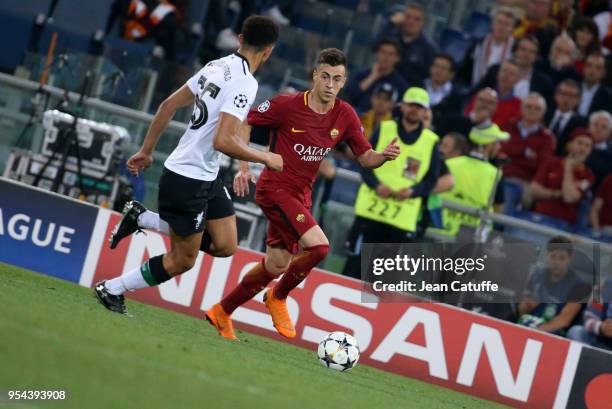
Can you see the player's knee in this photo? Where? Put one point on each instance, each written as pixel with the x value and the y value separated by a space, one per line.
pixel 183 262
pixel 277 267
pixel 226 250
pixel 319 252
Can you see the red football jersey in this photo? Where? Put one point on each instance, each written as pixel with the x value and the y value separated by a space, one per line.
pixel 303 138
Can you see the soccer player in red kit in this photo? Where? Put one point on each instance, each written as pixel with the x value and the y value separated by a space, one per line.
pixel 304 128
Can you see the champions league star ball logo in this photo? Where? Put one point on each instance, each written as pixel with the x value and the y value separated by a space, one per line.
pixel 240 101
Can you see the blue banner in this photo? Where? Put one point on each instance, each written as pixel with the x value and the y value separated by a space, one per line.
pixel 44 232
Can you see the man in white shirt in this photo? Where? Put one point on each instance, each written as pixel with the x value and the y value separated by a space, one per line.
pixel 497 46
pixel 595 96
pixel 531 79
pixel 444 99
pixel 600 161
pixel 562 118
pixel 191 196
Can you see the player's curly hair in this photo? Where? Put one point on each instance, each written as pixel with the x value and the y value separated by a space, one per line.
pixel 331 56
pixel 259 32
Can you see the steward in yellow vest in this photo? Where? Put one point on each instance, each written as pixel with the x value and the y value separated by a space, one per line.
pixel 475 179
pixel 390 199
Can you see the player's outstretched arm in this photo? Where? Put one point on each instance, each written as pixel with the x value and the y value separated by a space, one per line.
pixel 228 141
pixel 372 159
pixel 142 159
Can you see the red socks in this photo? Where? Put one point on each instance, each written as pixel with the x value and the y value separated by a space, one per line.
pixel 300 268
pixel 253 282
pixel 258 278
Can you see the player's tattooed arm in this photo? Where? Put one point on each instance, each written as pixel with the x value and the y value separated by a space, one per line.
pixel 142 159
pixel 228 140
pixel 372 159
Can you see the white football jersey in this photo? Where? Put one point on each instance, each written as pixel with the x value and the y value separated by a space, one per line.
pixel 223 85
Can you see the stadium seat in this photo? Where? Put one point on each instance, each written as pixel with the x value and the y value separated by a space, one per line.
pixel 300 77
pixel 478 25
pixel 363 26
pixel 292 44
pixel 126 53
pixel 349 4
pixel 341 23
pixel 68 39
pixel 24 8
pixel 314 17
pixel 359 56
pixel 82 16
pixel 197 11
pixel 274 74
pixel 455 43
pixel 192 40
pixel 18 29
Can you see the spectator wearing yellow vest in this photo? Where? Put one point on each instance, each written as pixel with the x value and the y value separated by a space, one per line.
pixel 389 203
pixel 475 179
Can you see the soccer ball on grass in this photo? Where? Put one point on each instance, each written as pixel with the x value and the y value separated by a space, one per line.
pixel 338 351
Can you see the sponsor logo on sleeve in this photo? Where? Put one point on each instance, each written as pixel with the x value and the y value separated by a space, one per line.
pixel 264 106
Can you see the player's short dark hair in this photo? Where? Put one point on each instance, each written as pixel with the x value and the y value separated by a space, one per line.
pixel 447 57
pixel 388 41
pixel 331 56
pixel 560 243
pixel 259 32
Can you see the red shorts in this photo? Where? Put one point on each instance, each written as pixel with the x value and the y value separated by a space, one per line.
pixel 288 218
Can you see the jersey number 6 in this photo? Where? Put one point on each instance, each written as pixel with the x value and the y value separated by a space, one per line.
pixel 200 112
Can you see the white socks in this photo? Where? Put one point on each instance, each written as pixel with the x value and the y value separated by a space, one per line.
pixel 130 280
pixel 151 220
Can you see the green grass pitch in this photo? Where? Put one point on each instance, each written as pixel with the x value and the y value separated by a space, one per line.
pixel 55 336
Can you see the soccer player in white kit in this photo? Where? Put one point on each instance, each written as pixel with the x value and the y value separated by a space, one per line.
pixel 191 196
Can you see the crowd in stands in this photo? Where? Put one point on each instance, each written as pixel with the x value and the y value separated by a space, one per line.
pixel 161 21
pixel 541 75
pixel 530 103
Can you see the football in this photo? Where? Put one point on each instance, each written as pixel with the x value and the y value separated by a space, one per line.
pixel 338 351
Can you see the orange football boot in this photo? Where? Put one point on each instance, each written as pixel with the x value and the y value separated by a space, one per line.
pixel 222 321
pixel 280 315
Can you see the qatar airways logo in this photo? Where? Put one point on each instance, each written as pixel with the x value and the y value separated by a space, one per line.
pixel 310 153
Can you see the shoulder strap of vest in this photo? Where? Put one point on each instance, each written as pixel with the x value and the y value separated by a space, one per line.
pixel 458 160
pixel 388 126
pixel 430 134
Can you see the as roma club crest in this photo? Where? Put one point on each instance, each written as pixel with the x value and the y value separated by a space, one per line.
pixel 334 133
